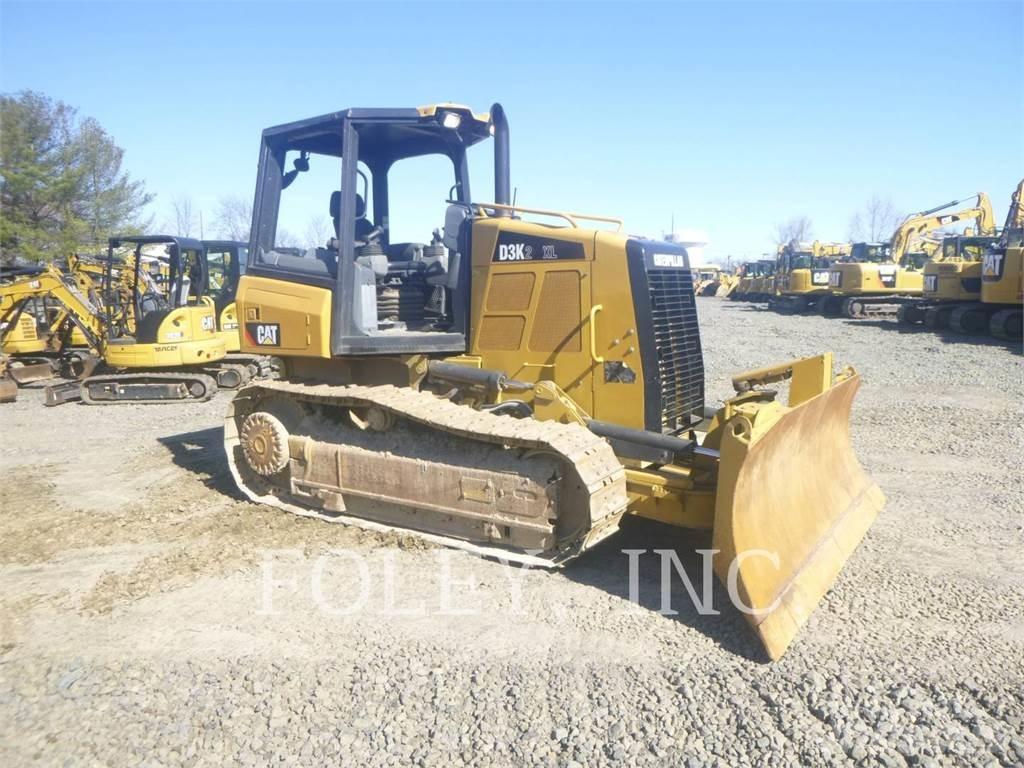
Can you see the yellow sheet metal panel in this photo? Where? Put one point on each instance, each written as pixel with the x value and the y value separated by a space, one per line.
pixel 286 318
pixel 618 398
pixel 852 279
pixel 530 303
pixel 164 355
pixel 228 327
pixel 500 334
pixel 949 280
pixel 556 326
pixel 1002 277
pixel 510 292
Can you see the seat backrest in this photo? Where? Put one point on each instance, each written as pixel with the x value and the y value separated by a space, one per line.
pixel 363 225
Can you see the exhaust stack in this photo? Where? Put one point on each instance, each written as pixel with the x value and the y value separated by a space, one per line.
pixel 502 183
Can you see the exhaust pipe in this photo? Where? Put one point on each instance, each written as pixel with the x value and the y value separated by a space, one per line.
pixel 502 183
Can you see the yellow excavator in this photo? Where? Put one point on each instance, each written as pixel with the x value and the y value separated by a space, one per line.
pixel 31 344
pixel 879 277
pixel 223 265
pixel 801 273
pixel 975 287
pixel 1002 281
pixel 951 279
pixel 523 379
pixel 153 347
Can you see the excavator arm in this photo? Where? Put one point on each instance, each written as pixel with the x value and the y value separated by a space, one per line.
pixel 1014 224
pixel 918 224
pixel 51 284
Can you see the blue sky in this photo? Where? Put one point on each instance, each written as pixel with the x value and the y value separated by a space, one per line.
pixel 728 117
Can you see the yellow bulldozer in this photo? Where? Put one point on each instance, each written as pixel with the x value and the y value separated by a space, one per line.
pixel 521 380
pixel 877 278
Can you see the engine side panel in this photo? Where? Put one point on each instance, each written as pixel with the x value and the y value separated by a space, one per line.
pixel 279 317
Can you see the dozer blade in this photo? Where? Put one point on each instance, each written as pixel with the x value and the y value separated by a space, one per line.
pixel 793 504
pixel 30 372
pixel 8 390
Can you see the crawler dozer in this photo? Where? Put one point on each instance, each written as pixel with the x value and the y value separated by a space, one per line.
pixel 520 381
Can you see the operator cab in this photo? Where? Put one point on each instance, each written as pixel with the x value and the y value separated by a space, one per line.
pixel 370 204
pixel 224 264
pixel 136 319
pixel 870 253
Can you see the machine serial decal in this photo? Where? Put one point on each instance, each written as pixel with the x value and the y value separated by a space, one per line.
pixel 513 247
pixel 166 348
pixel 264 334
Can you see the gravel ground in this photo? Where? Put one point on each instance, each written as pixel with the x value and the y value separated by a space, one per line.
pixel 148 615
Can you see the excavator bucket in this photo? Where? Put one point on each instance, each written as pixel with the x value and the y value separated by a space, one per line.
pixel 793 501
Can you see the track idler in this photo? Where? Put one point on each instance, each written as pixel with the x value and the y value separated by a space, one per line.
pixel 1007 324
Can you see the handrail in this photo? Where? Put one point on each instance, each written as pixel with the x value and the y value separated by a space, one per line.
pixel 569 217
pixel 593 333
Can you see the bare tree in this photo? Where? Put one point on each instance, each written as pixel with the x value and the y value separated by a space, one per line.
pixel 286 239
pixel 798 228
pixel 875 222
pixel 318 231
pixel 181 209
pixel 234 218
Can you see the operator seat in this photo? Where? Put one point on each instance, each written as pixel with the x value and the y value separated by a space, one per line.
pixel 363 225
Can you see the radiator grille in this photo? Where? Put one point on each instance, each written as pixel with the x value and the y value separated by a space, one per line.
pixel 677 341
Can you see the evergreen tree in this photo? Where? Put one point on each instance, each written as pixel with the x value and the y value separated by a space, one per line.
pixel 62 187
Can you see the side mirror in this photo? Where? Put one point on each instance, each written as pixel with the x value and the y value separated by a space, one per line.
pixel 300 165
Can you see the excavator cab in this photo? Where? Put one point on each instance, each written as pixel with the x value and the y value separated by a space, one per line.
pixel 224 264
pixel 147 324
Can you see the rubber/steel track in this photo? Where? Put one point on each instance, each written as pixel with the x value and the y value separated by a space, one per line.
pixel 108 389
pixel 390 458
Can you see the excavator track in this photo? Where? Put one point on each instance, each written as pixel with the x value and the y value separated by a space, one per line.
pixel 1006 324
pixel 389 458
pixel 866 307
pixel 144 388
